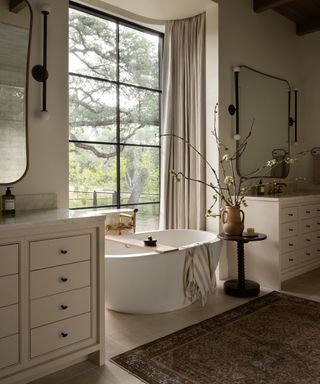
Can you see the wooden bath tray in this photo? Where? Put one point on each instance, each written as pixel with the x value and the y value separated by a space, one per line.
pixel 160 248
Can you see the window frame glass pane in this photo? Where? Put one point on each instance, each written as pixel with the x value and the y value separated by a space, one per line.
pixel 99 140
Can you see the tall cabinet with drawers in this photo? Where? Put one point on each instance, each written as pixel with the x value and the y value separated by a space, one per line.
pixel 51 293
pixel 292 224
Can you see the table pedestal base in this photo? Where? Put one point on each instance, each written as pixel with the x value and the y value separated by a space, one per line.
pixel 250 288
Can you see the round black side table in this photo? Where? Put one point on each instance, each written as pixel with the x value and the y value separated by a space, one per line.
pixel 241 287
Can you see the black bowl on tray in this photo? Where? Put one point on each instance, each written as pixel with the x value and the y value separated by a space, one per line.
pixel 150 242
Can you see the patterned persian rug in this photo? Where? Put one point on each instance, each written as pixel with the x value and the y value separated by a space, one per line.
pixel 274 339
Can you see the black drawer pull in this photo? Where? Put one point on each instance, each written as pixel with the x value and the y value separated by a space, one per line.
pixel 308 226
pixel 64 334
pixel 318 237
pixel 308 240
pixel 64 307
pixel 290 245
pixel 290 259
pixel 290 214
pixel 308 211
pixel 308 254
pixel 290 229
pixel 63 251
pixel 64 279
pixel 318 210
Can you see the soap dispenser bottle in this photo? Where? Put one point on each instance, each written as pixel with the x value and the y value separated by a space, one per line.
pixel 8 203
pixel 260 189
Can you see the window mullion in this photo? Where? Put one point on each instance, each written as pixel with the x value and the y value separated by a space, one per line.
pixel 118 118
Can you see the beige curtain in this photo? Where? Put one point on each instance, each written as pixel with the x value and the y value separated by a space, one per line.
pixel 183 204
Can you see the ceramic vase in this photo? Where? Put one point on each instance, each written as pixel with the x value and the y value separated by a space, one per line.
pixel 232 220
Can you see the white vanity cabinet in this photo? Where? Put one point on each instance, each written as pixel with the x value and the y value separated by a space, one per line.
pixel 9 305
pixel 51 293
pixel 292 225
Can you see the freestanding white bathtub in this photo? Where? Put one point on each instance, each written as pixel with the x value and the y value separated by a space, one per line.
pixel 141 281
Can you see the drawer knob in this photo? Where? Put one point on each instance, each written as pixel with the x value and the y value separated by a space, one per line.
pixel 63 251
pixel 308 226
pixel 308 240
pixel 64 334
pixel 290 229
pixel 64 279
pixel 308 253
pixel 290 214
pixel 290 245
pixel 64 307
pixel 290 259
pixel 308 212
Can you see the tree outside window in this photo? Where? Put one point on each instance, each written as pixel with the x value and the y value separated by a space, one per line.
pixel 114 114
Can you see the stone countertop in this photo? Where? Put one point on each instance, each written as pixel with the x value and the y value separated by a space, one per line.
pixel 284 196
pixel 23 219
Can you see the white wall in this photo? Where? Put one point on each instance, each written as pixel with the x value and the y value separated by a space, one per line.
pixel 212 96
pixel 163 9
pixel 48 140
pixel 309 99
pixel 265 41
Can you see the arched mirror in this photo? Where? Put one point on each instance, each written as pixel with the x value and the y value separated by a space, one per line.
pixel 15 36
pixel 263 106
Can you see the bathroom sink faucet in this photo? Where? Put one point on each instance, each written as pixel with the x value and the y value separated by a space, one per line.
pixel 131 221
pixel 276 187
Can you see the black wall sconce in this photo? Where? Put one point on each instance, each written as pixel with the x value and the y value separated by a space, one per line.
pixel 40 72
pixel 234 109
pixel 294 121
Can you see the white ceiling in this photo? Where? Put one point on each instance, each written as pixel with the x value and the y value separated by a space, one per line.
pixel 163 9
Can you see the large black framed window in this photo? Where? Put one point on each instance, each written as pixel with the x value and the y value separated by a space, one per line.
pixel 114 113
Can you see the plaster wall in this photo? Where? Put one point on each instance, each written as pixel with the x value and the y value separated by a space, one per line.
pixel 48 140
pixel 265 41
pixel 309 99
pixel 212 95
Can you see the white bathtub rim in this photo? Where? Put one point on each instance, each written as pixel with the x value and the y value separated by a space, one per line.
pixel 145 253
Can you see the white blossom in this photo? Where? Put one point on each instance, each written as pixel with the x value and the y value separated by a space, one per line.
pixel 229 180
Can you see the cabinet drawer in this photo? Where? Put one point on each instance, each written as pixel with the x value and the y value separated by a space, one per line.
pixel 61 334
pixel 290 244
pixel 288 214
pixel 50 281
pixel 309 225
pixel 290 259
pixel 58 307
pixel 9 351
pixel 9 320
pixel 310 210
pixel 65 250
pixel 9 290
pixel 289 229
pixel 9 256
pixel 310 253
pixel 311 238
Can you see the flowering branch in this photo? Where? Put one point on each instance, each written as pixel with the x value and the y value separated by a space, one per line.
pixel 231 190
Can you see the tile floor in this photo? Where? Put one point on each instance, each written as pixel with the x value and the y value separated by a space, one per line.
pixel 124 332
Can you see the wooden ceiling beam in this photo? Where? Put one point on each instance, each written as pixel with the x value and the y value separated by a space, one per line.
pixel 308 27
pixel 17 5
pixel 265 5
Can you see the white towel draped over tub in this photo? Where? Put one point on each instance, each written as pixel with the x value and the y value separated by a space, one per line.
pixel 199 270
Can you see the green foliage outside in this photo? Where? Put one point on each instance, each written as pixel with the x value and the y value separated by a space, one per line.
pixel 93 117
